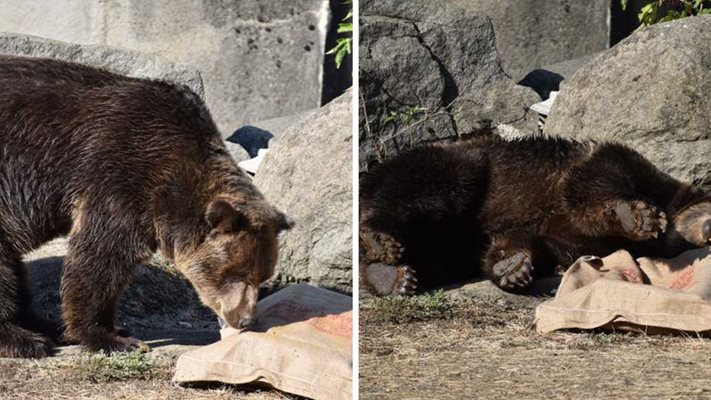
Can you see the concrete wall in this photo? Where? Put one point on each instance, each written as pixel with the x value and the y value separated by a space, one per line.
pixel 258 59
pixel 534 33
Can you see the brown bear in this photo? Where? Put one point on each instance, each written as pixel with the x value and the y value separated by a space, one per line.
pixel 515 210
pixel 125 167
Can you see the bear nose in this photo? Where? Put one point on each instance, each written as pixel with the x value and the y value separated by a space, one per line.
pixel 246 322
pixel 706 230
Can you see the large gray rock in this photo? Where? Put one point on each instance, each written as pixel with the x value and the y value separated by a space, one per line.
pixel 429 71
pixel 650 91
pixel 124 62
pixel 308 174
pixel 534 33
pixel 259 59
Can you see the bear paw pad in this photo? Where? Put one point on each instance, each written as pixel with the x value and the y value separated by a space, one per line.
pixel 640 220
pixel 515 272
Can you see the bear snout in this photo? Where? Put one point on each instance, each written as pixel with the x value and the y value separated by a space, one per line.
pixel 238 305
pixel 239 320
pixel 246 322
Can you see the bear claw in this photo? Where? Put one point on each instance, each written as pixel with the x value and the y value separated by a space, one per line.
pixel 515 272
pixel 406 281
pixel 115 343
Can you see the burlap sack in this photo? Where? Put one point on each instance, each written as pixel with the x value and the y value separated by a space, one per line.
pixel 301 345
pixel 617 292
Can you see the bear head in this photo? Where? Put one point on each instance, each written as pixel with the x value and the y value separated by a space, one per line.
pixel 690 226
pixel 237 254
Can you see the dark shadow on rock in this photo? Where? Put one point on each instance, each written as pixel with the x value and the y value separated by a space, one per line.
pixel 251 138
pixel 543 82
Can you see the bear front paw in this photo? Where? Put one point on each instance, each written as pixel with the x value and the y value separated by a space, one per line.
pixel 640 220
pixel 514 272
pixel 113 342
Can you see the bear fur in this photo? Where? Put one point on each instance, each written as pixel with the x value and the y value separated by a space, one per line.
pixel 125 167
pixel 513 211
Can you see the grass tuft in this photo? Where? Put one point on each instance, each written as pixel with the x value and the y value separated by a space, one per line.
pixel 101 368
pixel 403 309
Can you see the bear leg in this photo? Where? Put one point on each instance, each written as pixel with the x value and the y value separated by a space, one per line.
pixel 97 267
pixel 16 337
pixel 613 194
pixel 630 218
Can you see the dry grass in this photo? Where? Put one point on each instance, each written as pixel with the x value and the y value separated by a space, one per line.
pixel 122 376
pixel 488 349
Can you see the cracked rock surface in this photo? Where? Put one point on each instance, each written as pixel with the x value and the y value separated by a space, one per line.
pixel 430 72
pixel 650 91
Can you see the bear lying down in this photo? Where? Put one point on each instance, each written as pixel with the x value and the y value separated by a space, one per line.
pixel 513 211
pixel 125 167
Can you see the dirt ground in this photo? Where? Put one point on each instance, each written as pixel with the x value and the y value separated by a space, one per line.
pixel 74 375
pixel 159 307
pixel 485 348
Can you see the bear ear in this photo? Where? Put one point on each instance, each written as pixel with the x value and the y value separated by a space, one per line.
pixel 284 222
pixel 222 217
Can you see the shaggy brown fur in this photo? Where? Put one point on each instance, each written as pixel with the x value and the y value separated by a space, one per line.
pixel 125 166
pixel 523 207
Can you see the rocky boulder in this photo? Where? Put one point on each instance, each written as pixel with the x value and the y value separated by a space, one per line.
pixel 124 62
pixel 650 91
pixel 429 71
pixel 531 34
pixel 308 175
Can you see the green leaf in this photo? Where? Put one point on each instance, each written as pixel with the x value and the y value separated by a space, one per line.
pixel 648 14
pixel 623 3
pixel 339 58
pixel 344 28
pixel 341 49
pixel 343 45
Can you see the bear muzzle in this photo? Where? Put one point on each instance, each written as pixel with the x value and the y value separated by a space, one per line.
pixel 238 305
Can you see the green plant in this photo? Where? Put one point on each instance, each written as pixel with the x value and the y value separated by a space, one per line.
pixel 100 367
pixel 402 309
pixel 343 44
pixel 406 116
pixel 654 12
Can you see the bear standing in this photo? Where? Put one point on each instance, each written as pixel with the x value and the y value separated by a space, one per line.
pixel 125 167
pixel 515 210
